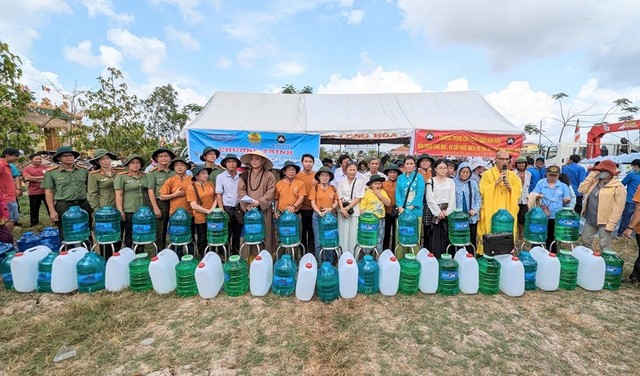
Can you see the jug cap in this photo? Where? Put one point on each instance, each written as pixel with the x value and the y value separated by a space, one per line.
pixel 185 258
pixel 142 255
pixel 515 258
pixel 446 256
pixel 431 255
pixel 258 257
pixel 469 255
pixel 308 265
pixel 597 254
pixel 552 254
pixel 349 261
pixel 64 253
pixel 154 258
pixel 410 256
pixel 609 252
pixel 18 254
pixel 234 258
pixel 115 254
pixel 565 252
pixel 393 259
pixel 201 265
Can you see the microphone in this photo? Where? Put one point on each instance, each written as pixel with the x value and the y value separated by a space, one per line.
pixel 504 176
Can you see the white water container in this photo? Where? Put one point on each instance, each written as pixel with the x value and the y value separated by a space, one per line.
pixel 64 277
pixel 162 271
pixel 117 270
pixel 548 272
pixel 261 274
pixel 468 272
pixel 428 271
pixel 461 253
pixel 24 268
pixel 591 269
pixel 209 276
pixel 511 275
pixel 348 275
pixel 389 280
pixel 306 282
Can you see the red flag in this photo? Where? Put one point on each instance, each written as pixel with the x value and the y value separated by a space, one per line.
pixel 576 134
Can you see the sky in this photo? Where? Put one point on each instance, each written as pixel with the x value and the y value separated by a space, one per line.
pixel 517 54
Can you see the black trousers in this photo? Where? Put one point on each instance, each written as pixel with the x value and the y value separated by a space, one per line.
pixel 161 224
pixel 307 238
pixel 438 240
pixel 551 236
pixel 128 228
pixel 201 237
pixel 389 241
pixel 235 228
pixel 578 207
pixel 35 201
pixel 635 274
pixel 473 229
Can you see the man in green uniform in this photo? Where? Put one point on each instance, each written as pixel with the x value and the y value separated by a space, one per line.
pixel 154 180
pixel 209 156
pixel 65 186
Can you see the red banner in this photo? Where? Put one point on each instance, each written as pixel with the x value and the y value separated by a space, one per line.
pixel 465 144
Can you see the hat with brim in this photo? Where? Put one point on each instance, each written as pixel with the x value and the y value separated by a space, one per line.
pixel 425 156
pixel 154 155
pixel 478 162
pixel 199 169
pixel 392 167
pixel 521 160
pixel 288 164
pixel 176 160
pixel 246 159
pixel 324 169
pixel 375 178
pixel 101 153
pixel 62 150
pixel 606 166
pixel 207 150
pixel 553 170
pixel 131 157
pixel 223 162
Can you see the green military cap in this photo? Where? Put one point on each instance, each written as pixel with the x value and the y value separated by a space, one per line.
pixel 131 157
pixel 101 153
pixel 177 159
pixel 324 169
pixel 62 150
pixel 207 150
pixel 154 155
pixel 199 169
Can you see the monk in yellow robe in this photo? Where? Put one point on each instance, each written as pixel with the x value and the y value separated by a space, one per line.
pixel 500 188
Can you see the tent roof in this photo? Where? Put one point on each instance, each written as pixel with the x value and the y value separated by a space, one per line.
pixel 336 116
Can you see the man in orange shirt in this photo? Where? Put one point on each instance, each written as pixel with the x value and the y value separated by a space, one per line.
pixel 306 175
pixel 392 171
pixel 174 189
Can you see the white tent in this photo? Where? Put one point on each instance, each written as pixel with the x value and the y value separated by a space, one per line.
pixel 353 118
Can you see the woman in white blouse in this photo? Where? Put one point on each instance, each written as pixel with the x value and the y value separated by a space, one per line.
pixel 441 199
pixel 350 191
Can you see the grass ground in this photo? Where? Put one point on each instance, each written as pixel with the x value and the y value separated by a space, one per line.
pixel 564 332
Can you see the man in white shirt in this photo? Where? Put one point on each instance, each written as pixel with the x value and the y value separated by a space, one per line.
pixel 374 165
pixel 341 171
pixel 227 192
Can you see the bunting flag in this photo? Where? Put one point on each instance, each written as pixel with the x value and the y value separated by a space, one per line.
pixel 44 88
pixel 576 134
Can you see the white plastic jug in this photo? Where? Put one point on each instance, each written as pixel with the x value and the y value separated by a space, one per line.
pixel 162 271
pixel 261 274
pixel 117 270
pixel 591 268
pixel 64 277
pixel 511 275
pixel 468 273
pixel 24 268
pixel 307 273
pixel 428 271
pixel 348 275
pixel 461 253
pixel 209 276
pixel 548 272
pixel 389 280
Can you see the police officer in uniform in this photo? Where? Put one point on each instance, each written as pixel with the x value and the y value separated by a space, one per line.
pixel 100 190
pixel 153 182
pixel 65 186
pixel 131 193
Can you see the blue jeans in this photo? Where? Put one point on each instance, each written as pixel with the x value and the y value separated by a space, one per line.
pixel 627 213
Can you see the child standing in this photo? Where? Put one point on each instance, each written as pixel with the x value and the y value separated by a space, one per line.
pixel 375 199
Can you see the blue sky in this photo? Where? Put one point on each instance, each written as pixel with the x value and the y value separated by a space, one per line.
pixel 515 53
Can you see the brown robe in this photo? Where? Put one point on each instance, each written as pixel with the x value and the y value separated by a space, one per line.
pixel 264 194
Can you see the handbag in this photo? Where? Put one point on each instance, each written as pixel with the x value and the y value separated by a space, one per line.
pixel 350 211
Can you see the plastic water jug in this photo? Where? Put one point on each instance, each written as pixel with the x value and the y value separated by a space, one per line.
pixel 535 225
pixel 368 229
pixel 567 226
pixel 90 270
pixel 236 279
pixel 44 272
pixel 448 281
pixel 288 228
pixel 511 275
pixel 568 270
pixel 390 273
pixel 408 230
pixel 117 270
pixel 328 283
pixel 488 275
pixel 180 227
pixel 469 274
pixel 209 276
pixel 144 225
pixel 329 231
pixel 548 272
pixel 64 275
pixel 217 227
pixel 613 272
pixel 459 231
pixel 51 238
pixel 307 276
pixel 429 271
pixel 24 268
pixel 5 270
pixel 254 226
pixel 348 275
pixel 530 269
pixel 409 274
pixel 107 225
pixel 261 274
pixel 284 276
pixel 368 276
pixel 75 225
pixel 28 240
pixel 186 276
pixel 139 278
pixel 5 248
pixel 162 271
pixel 502 221
pixel 591 268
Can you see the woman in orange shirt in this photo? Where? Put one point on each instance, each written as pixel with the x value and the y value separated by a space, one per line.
pixel 202 199
pixel 324 199
pixel 174 189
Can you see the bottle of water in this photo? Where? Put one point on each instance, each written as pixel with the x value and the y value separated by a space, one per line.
pixel 90 271
pixel 535 225
pixel 567 226
pixel 144 225
pixel 44 272
pixel 180 227
pixel 502 221
pixel 530 270
pixel 368 229
pixel 329 231
pixel 459 231
pixel 139 277
pixel 288 229
pixel 448 283
pixel 254 226
pixel 107 225
pixel 186 277
pixel 51 238
pixel 327 281
pixel 368 276
pixel 568 270
pixel 408 229
pixel 75 225
pixel 236 278
pixel 28 240
pixel 613 271
pixel 217 227
pixel 409 275
pixel 284 276
pixel 5 270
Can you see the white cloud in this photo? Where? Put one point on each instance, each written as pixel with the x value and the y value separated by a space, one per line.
pixel 346 3
pixel 353 17
pixel 105 8
pixel 188 9
pixel 459 84
pixel 377 81
pixel 149 52
pixel 184 38
pixel 83 55
pixel 288 69
pixel 248 55
pixel 223 63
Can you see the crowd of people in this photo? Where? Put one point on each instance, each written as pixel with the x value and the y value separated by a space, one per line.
pixel 429 188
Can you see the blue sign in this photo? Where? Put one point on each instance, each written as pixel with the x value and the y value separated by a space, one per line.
pixel 279 147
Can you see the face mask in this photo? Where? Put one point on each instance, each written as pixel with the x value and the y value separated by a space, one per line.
pixel 603 175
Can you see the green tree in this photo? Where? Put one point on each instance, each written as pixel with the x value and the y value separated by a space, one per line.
pixel 290 89
pixel 14 100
